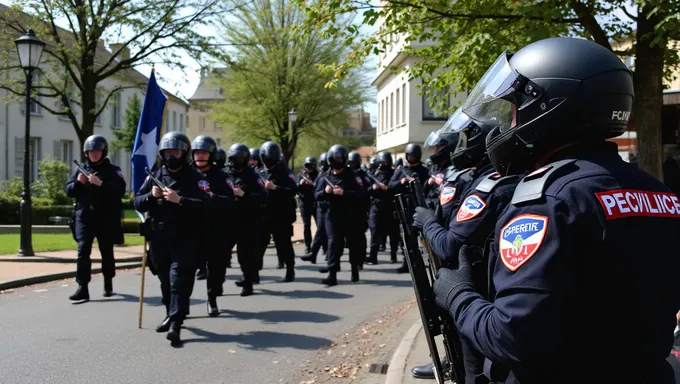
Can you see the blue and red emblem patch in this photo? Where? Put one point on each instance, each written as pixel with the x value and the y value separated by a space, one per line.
pixel 471 207
pixel 204 186
pixel 358 179
pixel 521 238
pixel 120 174
pixel 439 179
pixel 260 181
pixel 446 195
pixel 230 183
pixel 291 177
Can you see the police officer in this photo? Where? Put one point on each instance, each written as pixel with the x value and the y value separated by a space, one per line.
pixel 399 163
pixel 249 208
pixel 255 161
pixel 381 219
pixel 428 163
pixel 305 181
pixel 220 158
pixel 173 227
pixel 372 164
pixel 280 185
pixel 320 236
pixel 442 143
pixel 357 239
pixel 216 236
pixel 403 174
pixel 343 195
pixel 471 224
pixel 585 234
pixel 97 215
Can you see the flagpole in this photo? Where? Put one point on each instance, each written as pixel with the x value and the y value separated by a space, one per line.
pixel 141 293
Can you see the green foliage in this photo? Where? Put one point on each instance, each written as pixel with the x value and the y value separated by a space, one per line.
pixel 12 187
pixel 53 177
pixel 41 210
pixel 274 69
pixel 125 136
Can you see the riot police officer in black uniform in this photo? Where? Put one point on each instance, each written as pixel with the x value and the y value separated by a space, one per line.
pixel 249 207
pixel 216 236
pixel 381 219
pixel 280 185
pixel 255 161
pixel 345 194
pixel 403 174
pixel 220 158
pixel 584 235
pixel 305 181
pixel 97 215
pixel 173 227
pixel 373 164
pixel 357 240
pixel 442 142
pixel 320 240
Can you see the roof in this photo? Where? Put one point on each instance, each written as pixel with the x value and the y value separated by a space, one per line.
pixel 207 90
pixel 365 152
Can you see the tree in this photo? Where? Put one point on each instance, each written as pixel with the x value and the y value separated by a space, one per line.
pixel 76 61
pixel 272 70
pixel 125 136
pixel 470 34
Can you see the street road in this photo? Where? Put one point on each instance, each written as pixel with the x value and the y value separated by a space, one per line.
pixel 257 339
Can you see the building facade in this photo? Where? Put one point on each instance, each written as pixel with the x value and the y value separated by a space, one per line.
pixel 201 105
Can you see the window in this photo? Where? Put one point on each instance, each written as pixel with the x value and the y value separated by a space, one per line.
pixel 67 151
pixel 218 141
pixel 174 120
pixel 187 121
pixel 201 124
pixel 97 106
pixel 398 115
pixel 181 122
pixel 34 151
pixel 167 122
pixel 441 100
pixel 34 107
pixel 391 110
pixel 403 103
pixel 115 110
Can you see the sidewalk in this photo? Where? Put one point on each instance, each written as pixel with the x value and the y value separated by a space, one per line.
pixel 18 271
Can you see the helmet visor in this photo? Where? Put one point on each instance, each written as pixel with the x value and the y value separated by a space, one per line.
pixel 457 122
pixel 434 140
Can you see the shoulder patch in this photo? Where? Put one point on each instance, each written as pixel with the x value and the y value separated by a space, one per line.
pixel 521 238
pixel 229 182
pixel 446 195
pixel 492 181
pixel 471 207
pixel 204 185
pixel 291 177
pixel 532 187
pixel 358 180
pixel 439 178
pixel 455 175
pixel 260 181
pixel 120 173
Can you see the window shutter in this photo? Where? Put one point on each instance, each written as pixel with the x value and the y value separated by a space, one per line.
pixel 18 156
pixel 57 150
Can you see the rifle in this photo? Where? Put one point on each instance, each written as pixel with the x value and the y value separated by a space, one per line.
pixel 419 198
pixel 435 320
pixel 81 168
pixel 325 178
pixel 155 180
pixel 375 180
pixel 305 176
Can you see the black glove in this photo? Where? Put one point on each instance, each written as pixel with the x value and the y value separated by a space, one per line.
pixel 449 281
pixel 421 216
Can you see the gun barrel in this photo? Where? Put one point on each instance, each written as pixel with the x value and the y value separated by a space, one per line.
pixel 330 184
pixel 155 180
pixel 81 168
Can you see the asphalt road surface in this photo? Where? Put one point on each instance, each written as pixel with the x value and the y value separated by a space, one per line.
pixel 258 339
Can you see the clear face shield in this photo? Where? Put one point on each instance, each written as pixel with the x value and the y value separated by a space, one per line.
pixel 434 140
pixel 459 123
pixel 499 94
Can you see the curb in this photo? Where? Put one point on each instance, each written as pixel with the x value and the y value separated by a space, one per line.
pixel 395 372
pixel 45 278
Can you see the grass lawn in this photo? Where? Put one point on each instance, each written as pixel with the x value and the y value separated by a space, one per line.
pixel 130 214
pixel 42 242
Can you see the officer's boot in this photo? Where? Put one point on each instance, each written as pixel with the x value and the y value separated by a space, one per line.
pixel 256 277
pixel 355 273
pixel 309 257
pixel 108 287
pixel 393 257
pixel 424 371
pixel 247 289
pixel 202 273
pixel 212 306
pixel 164 325
pixel 331 280
pixel 372 258
pixel 240 282
pixel 82 295
pixel 403 268
pixel 173 335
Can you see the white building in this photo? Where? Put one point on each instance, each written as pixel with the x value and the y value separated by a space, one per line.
pixel 403 115
pixel 55 136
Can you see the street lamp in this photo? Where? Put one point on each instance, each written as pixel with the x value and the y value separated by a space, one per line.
pixel 292 116
pixel 29 49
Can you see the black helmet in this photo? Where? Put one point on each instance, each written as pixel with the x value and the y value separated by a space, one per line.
pixel 428 162
pixel 220 157
pixel 413 153
pixel 270 154
pixel 471 146
pixel 255 155
pixel 354 160
pixel 204 143
pixel 337 157
pixel 323 161
pixel 373 163
pixel 310 162
pixel 238 156
pixel 175 140
pixel 384 157
pixel 550 93
pixel 442 142
pixel 400 162
pixel 96 143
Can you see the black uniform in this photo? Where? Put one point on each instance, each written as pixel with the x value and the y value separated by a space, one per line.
pixel 381 219
pixel 97 215
pixel 432 188
pixel 341 213
pixel 175 234
pixel 307 204
pixel 320 237
pixel 357 241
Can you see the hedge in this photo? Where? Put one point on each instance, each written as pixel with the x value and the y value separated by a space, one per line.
pixel 41 210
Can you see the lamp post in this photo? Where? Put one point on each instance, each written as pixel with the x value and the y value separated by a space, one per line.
pixel 292 116
pixel 29 49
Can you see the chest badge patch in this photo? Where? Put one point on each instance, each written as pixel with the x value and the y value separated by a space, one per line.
pixel 358 179
pixel 446 195
pixel 204 186
pixel 439 179
pixel 471 207
pixel 521 238
pixel 291 177
pixel 230 183
pixel 260 181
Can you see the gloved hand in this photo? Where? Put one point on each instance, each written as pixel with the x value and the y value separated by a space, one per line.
pixel 449 281
pixel 420 216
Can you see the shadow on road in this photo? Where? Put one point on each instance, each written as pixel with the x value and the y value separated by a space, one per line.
pixel 148 300
pixel 284 316
pixel 259 340
pixel 298 294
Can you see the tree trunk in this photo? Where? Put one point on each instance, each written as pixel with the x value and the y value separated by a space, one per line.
pixel 648 82
pixel 87 123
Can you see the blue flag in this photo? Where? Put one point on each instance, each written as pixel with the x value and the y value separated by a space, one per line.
pixel 149 133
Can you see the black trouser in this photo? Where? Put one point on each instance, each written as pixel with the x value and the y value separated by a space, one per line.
pixel 337 229
pixel 261 237
pixel 282 234
pixel 85 235
pixel 382 223
pixel 320 237
pixel 308 211
pixel 246 252
pixel 218 256
pixel 174 258
pixel 356 238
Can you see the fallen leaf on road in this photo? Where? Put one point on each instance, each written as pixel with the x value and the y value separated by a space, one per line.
pixel 275 362
pixel 382 345
pixel 231 351
pixel 326 369
pixel 64 285
pixel 40 290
